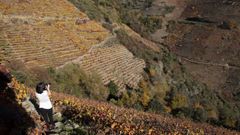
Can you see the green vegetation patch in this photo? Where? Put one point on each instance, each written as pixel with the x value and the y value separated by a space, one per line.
pixel 70 79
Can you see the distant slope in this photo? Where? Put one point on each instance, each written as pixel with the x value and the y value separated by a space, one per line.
pixel 199 55
pixel 206 39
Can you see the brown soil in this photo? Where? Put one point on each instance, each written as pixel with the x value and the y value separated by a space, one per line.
pixel 211 36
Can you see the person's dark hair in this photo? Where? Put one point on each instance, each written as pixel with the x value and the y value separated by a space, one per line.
pixel 8 77
pixel 5 77
pixel 40 87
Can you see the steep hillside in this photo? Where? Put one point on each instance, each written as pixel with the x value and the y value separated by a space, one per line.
pixel 115 63
pixel 40 35
pixel 199 44
pixel 96 117
pixel 206 40
pixel 37 34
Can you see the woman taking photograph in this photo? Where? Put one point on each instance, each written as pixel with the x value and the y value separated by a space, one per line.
pixel 45 105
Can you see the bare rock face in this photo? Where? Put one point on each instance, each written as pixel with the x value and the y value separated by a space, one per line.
pixel 57 117
pixel 29 107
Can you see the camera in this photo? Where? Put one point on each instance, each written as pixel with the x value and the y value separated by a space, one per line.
pixel 46 85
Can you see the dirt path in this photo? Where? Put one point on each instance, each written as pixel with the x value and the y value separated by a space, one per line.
pixel 178 5
pixel 79 59
pixel 227 66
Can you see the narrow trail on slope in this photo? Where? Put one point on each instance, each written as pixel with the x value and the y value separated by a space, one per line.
pixel 109 38
pixel 227 66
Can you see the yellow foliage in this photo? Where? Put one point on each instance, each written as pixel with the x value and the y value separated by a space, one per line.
pixel 41 8
pixel 145 99
pixel 20 90
pixel 66 102
pixel 152 72
pixel 167 109
pixel 161 89
pixel 123 120
pixel 197 105
pixel 142 84
pixel 179 101
pixel 230 122
pixel 146 96
pixel 233 24
pixel 133 98
pixel 212 114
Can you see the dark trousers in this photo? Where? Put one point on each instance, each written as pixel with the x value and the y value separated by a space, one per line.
pixel 47 115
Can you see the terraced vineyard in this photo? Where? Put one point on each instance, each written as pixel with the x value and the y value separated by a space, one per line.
pixel 40 35
pixel 114 63
pixel 42 45
pixel 39 8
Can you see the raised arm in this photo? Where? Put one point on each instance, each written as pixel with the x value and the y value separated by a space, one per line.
pixel 48 90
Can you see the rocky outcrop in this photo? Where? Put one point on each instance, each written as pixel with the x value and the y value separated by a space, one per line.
pixel 63 125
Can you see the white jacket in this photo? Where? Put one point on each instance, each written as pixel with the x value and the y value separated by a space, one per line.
pixel 44 101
